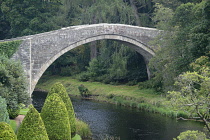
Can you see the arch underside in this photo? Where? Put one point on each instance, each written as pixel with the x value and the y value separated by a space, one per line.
pixel 145 51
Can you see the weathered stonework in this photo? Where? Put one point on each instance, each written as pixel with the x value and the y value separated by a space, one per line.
pixel 38 52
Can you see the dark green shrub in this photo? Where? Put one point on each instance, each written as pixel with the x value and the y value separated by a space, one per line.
pixel 9 48
pixel 84 92
pixel 6 132
pixel 55 117
pixel 4 116
pixel 13 85
pixel 61 91
pixel 32 127
pixel 84 76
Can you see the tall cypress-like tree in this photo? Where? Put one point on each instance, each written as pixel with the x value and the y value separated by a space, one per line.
pixel 32 127
pixel 6 132
pixel 59 89
pixel 55 117
pixel 4 116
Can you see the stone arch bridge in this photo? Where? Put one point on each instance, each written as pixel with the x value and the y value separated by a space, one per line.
pixel 38 52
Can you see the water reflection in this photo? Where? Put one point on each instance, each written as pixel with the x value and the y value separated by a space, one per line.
pixel 129 124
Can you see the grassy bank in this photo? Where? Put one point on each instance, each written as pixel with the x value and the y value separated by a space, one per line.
pixel 123 95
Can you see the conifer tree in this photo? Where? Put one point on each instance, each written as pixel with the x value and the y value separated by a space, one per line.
pixel 55 117
pixel 32 127
pixel 4 116
pixel 61 91
pixel 6 132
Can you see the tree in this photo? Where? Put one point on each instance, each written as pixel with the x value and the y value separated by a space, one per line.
pixel 193 92
pixel 32 126
pixel 4 116
pixel 55 117
pixel 6 132
pixel 59 89
pixel 12 85
pixel 184 40
pixel 191 135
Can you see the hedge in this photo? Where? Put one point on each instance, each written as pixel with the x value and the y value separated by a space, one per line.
pixel 6 132
pixel 55 117
pixel 61 91
pixel 32 127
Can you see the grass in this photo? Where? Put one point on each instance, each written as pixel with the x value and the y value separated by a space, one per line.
pixel 132 96
pixel 13 125
pixel 23 111
pixel 77 137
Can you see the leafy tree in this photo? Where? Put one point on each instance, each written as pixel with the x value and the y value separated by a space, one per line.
pixel 191 135
pixel 59 89
pixel 192 94
pixel 6 132
pixel 4 116
pixel 32 126
pixel 55 117
pixel 184 40
pixel 12 85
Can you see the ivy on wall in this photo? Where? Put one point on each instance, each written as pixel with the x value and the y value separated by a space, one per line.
pixel 9 48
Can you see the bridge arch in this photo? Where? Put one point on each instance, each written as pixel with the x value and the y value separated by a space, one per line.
pixel 38 52
pixel 139 47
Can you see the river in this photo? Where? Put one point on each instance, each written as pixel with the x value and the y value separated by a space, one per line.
pixel 123 122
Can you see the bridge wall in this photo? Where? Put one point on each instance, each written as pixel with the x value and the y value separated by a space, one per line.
pixel 38 52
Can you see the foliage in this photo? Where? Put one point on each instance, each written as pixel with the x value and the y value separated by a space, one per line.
pixel 191 135
pixel 55 117
pixel 6 132
pixel 84 92
pixel 28 17
pixel 12 85
pixel 9 48
pixel 32 126
pixel 4 116
pixel 184 40
pixel 83 129
pixel 193 90
pixel 59 89
pixel 119 66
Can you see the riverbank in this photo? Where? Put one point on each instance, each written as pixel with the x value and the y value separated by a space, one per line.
pixel 124 95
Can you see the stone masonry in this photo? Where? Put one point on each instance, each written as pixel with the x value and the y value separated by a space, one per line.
pixel 38 52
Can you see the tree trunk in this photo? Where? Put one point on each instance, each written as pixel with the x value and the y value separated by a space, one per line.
pixel 93 50
pixel 204 120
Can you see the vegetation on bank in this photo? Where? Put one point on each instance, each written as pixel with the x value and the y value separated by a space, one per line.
pixel 131 96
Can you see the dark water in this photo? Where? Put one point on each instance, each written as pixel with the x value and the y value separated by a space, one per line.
pixel 126 123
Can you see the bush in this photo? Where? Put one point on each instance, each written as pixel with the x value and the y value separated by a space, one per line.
pixel 83 129
pixel 6 132
pixel 84 92
pixel 4 116
pixel 13 85
pixel 191 135
pixel 84 76
pixel 32 127
pixel 55 117
pixel 61 91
